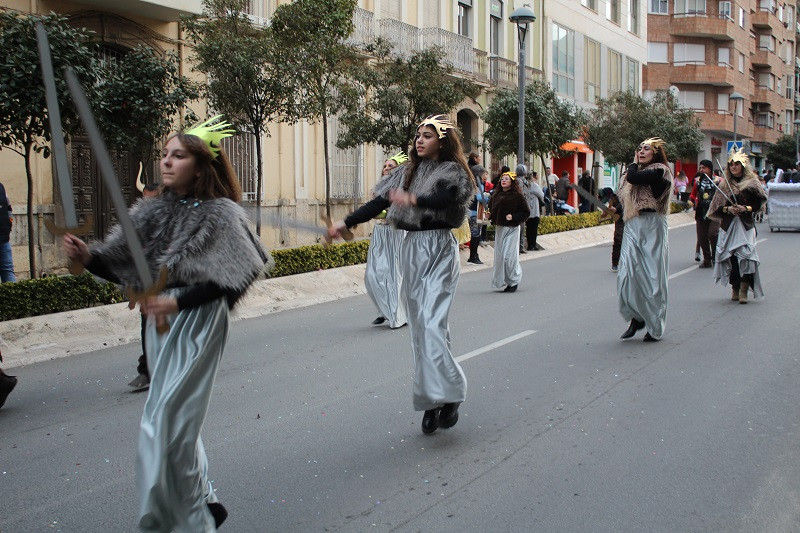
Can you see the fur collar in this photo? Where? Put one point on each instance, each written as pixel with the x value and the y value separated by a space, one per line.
pixel 748 184
pixel 634 198
pixel 197 241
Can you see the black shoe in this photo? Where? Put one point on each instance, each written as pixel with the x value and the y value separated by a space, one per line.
pixel 475 261
pixel 632 329
pixel 538 247
pixel 430 421
pixel 140 383
pixel 510 288
pixel 7 384
pixel 649 338
pixel 448 416
pixel 378 321
pixel 219 513
pixel 522 251
pixel 531 248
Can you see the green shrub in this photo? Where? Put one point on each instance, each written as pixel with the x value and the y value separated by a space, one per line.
pixel 290 261
pixel 557 223
pixel 54 294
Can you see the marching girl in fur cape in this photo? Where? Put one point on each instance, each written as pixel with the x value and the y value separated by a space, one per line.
pixel 644 259
pixel 196 231
pixel 740 198
pixel 508 209
pixel 382 276
pixel 428 197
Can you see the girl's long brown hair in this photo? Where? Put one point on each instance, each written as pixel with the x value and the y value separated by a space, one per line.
pixel 216 178
pixel 451 150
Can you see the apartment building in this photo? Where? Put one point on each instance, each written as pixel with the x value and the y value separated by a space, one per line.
pixel 595 48
pixel 705 51
pixel 479 40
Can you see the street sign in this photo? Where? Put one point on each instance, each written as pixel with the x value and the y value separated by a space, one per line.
pixel 732 144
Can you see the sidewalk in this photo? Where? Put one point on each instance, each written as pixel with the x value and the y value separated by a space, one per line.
pixel 31 340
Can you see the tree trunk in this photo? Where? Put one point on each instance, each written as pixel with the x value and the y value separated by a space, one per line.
pixel 327 165
pixel 259 179
pixel 31 243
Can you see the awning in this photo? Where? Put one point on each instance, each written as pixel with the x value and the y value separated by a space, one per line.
pixel 576 146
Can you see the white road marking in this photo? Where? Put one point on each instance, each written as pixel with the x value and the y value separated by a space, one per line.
pixel 494 345
pixel 687 270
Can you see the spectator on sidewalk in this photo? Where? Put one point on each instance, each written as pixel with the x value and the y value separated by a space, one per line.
pixel 6 221
pixel 535 197
pixel 587 183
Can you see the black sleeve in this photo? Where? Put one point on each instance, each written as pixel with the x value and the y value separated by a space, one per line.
pixel 99 268
pixel 367 212
pixel 443 197
pixel 654 177
pixel 202 293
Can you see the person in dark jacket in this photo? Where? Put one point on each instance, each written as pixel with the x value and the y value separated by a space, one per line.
pixel 701 196
pixel 509 209
pixel 6 221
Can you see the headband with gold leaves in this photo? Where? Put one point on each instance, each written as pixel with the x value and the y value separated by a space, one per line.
pixel 399 158
pixel 212 131
pixel 440 123
pixel 737 156
pixel 654 142
pixel 511 175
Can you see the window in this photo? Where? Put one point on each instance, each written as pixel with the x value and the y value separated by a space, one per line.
pixel 591 72
pixel 765 120
pixel 765 80
pixel 633 16
pixel 740 108
pixel 767 5
pixel 724 57
pixel 690 8
pixel 563 60
pixel 614 72
pixel 430 15
pixel 464 17
pixel 741 17
pixel 633 75
pixel 241 151
pixel 612 11
pixel 591 4
pixel 495 26
pixel 693 99
pixel 741 63
pixel 766 42
pixel 346 166
pixel 725 10
pixel 790 86
pixel 723 103
pixel 659 7
pixel 657 52
pixel 689 54
pixel 390 9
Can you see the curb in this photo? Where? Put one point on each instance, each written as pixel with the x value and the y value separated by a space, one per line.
pixel 42 338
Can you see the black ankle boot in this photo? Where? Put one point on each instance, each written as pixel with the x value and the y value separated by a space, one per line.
pixel 219 513
pixel 473 253
pixel 632 329
pixel 448 416
pixel 7 384
pixel 430 421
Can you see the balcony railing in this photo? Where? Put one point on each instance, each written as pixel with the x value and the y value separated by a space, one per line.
pixel 457 48
pixel 363 32
pixel 502 71
pixel 480 65
pixel 403 37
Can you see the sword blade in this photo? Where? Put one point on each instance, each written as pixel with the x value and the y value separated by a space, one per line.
pixel 109 178
pixel 594 201
pixel 56 132
pixel 280 222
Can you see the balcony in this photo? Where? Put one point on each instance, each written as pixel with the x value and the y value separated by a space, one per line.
pixel 764 95
pixel 480 67
pixel 363 32
pixel 721 121
pixel 503 72
pixel 764 19
pixel 721 28
pixel 697 73
pixel 763 133
pixel 403 37
pixel 764 57
pixel 457 48
pixel 165 10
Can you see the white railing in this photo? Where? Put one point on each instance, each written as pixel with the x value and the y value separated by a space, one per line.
pixel 363 32
pixel 503 71
pixel 457 48
pixel 241 150
pixel 404 37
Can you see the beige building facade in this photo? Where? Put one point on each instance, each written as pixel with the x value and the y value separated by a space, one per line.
pixel 479 40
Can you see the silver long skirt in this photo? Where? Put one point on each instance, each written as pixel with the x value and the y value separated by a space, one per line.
pixel 172 468
pixel 430 264
pixel 507 270
pixel 643 268
pixel 740 244
pixel 382 276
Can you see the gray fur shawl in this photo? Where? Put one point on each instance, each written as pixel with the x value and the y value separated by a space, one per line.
pixel 634 198
pixel 197 241
pixel 429 175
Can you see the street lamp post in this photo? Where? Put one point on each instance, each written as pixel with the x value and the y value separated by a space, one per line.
pixel 522 16
pixel 796 140
pixel 736 97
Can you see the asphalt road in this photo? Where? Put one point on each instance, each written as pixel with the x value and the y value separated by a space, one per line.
pixel 565 427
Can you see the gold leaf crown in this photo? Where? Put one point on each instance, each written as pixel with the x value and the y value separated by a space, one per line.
pixel 654 142
pixel 399 158
pixel 511 175
pixel 738 156
pixel 212 131
pixel 440 123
